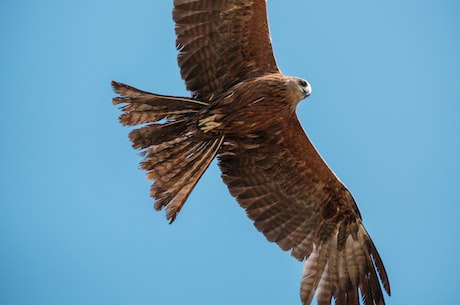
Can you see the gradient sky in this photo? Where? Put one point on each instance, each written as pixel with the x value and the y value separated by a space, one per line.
pixel 76 221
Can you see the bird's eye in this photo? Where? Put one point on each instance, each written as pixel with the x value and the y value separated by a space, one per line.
pixel 302 83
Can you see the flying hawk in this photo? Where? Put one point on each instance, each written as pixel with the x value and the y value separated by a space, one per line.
pixel 243 110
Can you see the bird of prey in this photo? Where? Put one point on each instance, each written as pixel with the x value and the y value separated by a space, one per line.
pixel 242 109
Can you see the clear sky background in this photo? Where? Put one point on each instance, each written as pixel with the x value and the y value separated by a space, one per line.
pixel 76 221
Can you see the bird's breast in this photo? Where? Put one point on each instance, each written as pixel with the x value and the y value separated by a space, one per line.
pixel 252 106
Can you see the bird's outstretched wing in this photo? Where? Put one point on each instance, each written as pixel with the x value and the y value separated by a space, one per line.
pixel 221 42
pixel 296 201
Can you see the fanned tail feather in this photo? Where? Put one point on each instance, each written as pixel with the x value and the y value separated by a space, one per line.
pixel 176 166
pixel 176 152
pixel 143 107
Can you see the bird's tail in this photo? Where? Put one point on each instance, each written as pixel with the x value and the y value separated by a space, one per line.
pixel 176 152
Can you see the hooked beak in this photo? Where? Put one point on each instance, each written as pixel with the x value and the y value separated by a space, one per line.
pixel 306 92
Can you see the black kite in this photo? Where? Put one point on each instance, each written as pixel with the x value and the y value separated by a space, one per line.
pixel 242 109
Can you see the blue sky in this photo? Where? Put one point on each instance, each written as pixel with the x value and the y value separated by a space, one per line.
pixel 77 224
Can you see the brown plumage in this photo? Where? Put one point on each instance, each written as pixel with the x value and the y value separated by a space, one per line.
pixel 243 110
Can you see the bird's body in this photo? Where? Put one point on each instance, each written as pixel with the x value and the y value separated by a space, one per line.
pixel 242 110
pixel 250 105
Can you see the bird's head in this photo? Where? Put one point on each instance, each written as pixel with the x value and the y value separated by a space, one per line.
pixel 304 86
pixel 300 88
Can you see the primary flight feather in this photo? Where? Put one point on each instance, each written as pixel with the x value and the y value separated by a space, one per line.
pixel 243 110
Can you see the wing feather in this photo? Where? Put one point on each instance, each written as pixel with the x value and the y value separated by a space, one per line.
pixel 222 42
pixel 296 201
